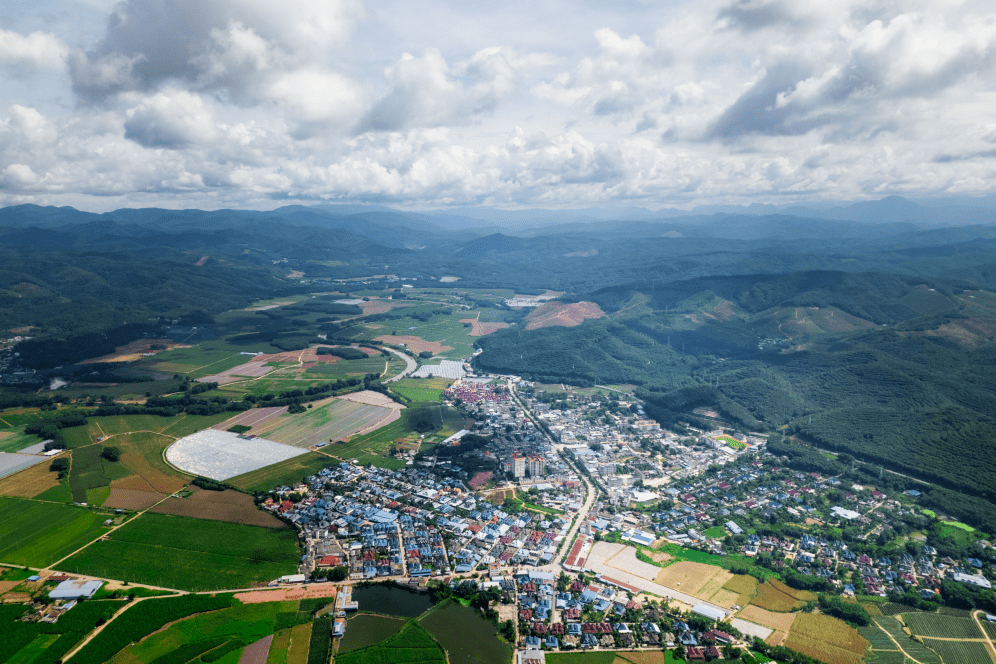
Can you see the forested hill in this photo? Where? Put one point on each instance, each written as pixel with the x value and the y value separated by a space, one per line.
pixel 894 372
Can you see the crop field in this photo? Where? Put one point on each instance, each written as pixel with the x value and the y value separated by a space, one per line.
pixel 412 645
pixel 696 579
pixel 15 440
pixel 365 630
pixel 448 420
pixel 197 361
pixel 827 639
pixel 467 637
pixel 774 595
pixel 913 649
pixel 669 554
pixel 328 420
pixel 246 623
pixel 31 482
pixel 43 643
pixel 189 554
pixel 13 463
pixel 228 505
pixel 932 624
pixel 960 652
pixel 39 534
pixel 251 418
pixel 780 622
pixel 286 472
pixel 421 389
pixel 744 585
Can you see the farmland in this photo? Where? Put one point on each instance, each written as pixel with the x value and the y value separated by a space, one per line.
pixel 240 624
pixel 827 639
pixel 41 643
pixel 412 645
pixel 421 389
pixel 932 624
pixel 286 472
pixel 467 637
pixel 698 580
pixel 40 534
pixel 365 630
pixel 333 419
pixel 203 555
pixel 774 595
pixel 228 505
pixel 31 482
pixel 962 652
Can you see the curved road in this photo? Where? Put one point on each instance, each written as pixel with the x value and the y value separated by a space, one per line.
pixel 411 364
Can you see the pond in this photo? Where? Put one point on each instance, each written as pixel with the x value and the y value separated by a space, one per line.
pixel 391 600
pixel 365 630
pixel 467 637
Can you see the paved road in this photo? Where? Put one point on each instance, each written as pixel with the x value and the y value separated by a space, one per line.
pixel 411 365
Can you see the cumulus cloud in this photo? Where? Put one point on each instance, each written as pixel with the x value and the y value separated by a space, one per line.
pixel 241 51
pixel 232 102
pixel 22 55
pixel 171 119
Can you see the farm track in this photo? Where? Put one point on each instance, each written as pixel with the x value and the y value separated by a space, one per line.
pixel 989 644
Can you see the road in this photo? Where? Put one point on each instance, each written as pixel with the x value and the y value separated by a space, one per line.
pixel 411 365
pixel 590 488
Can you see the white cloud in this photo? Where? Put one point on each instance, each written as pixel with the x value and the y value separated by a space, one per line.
pixel 22 55
pixel 230 102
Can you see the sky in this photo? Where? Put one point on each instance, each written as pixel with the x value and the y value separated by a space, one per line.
pixel 556 104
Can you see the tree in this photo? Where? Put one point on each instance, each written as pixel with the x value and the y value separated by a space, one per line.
pixel 60 466
pixel 339 573
pixel 111 453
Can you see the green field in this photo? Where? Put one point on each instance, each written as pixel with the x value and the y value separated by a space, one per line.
pixel 371 448
pixel 332 421
pixel 467 637
pixel 242 624
pixel 914 649
pixel 43 643
pixel 16 439
pixel 604 657
pixel 365 630
pixel 421 389
pixel 39 534
pixel 412 645
pixel 960 652
pixel 932 624
pixel 287 472
pixel 678 553
pixel 189 554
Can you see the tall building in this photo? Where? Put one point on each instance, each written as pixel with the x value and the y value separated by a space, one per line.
pixel 537 465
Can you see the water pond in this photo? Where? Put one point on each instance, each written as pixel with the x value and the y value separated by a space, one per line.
pixel 391 600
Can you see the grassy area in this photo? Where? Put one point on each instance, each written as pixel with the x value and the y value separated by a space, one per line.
pixel 717 532
pixel 365 630
pixel 14 439
pixel 412 645
pixel 189 554
pixel 39 534
pixel 421 389
pixel 244 623
pixel 466 636
pixel 678 552
pixel 287 472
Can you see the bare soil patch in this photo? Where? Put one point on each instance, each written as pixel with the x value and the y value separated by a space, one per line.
pixel 479 329
pixel 371 398
pixel 417 344
pixel 565 315
pixel 132 499
pixel 231 506
pixel 135 350
pixel 315 590
pixel 257 653
pixel 146 476
pixel 659 556
pixel 695 579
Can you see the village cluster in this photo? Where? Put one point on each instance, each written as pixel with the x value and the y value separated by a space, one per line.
pixel 532 533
